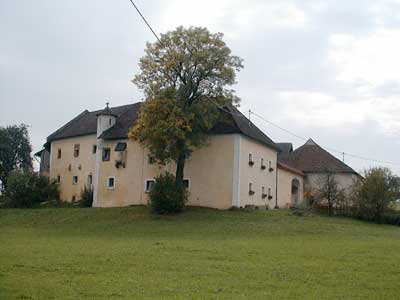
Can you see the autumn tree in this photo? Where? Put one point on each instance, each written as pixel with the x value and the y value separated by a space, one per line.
pixel 185 76
pixel 15 151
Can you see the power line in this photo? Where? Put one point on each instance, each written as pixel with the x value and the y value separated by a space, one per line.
pixel 144 19
pixel 264 119
pixel 328 148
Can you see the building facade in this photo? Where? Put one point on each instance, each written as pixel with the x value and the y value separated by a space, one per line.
pixel 240 166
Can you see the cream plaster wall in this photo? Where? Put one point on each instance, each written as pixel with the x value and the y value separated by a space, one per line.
pixel 285 179
pixel 209 171
pixel 81 166
pixel 255 174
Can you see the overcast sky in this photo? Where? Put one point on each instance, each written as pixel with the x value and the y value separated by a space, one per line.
pixel 329 70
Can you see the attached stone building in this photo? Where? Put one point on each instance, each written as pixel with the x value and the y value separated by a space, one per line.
pixel 315 163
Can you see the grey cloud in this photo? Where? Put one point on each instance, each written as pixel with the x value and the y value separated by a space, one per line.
pixel 58 58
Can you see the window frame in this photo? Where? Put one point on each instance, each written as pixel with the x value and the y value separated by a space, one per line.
pixel 94 149
pixel 59 153
pixel 103 157
pixel 108 183
pixel 148 190
pixel 75 182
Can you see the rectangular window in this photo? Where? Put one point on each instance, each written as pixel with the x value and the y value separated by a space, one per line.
pixel 90 179
pixel 74 180
pixel 106 154
pixel 94 149
pixel 58 180
pixel 111 183
pixel 149 185
pixel 186 183
pixel 59 153
pixel 76 150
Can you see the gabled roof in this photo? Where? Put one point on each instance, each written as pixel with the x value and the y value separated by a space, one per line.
pixel 85 123
pixel 124 122
pixel 231 121
pixel 311 158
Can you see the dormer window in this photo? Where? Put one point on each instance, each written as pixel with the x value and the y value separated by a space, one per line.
pixel 251 162
pixel 120 147
pixel 251 191
pixel 263 167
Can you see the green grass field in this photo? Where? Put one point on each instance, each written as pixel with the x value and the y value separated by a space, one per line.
pixel 72 253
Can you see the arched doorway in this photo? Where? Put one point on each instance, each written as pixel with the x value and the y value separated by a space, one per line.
pixel 296 192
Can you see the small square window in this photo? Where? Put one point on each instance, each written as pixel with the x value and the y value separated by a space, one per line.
pixel 106 154
pixel 76 150
pixel 59 153
pixel 111 183
pixel 149 185
pixel 74 180
pixel 94 149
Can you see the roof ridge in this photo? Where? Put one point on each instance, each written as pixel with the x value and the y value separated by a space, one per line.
pixel 114 107
pixel 236 113
pixel 314 144
pixel 66 125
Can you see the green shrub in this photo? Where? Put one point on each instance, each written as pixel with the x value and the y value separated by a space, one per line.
pixel 166 197
pixel 375 193
pixel 29 189
pixel 86 197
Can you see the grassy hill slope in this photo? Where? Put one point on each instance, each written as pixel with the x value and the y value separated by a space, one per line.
pixel 201 254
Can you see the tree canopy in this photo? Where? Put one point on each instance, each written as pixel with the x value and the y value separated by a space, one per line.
pixel 15 150
pixel 186 76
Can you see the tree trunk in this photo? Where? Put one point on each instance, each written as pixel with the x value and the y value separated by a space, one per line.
pixel 180 166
